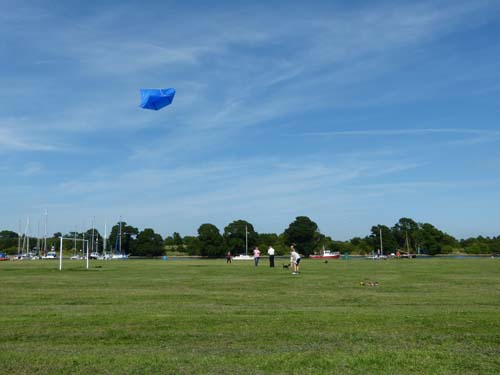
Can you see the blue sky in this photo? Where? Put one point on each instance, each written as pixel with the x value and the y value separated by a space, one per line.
pixel 353 113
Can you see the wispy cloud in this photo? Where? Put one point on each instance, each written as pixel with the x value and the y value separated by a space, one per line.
pixel 32 169
pixel 12 140
pixel 400 132
pixel 236 183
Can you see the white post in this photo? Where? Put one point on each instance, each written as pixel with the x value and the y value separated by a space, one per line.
pixel 92 246
pixel 87 255
pixel 104 240
pixel 60 254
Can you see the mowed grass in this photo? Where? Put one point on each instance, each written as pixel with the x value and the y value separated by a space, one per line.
pixel 205 317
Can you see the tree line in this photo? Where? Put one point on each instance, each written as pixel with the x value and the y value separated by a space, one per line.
pixel 406 236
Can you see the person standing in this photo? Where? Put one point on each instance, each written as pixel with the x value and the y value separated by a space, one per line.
pixel 295 256
pixel 256 255
pixel 228 257
pixel 270 252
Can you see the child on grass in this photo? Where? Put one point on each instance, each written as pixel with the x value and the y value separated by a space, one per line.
pixel 295 257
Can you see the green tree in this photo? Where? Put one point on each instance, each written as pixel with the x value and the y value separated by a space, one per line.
pixel 234 236
pixel 343 246
pixel 175 243
pixel 9 241
pixel 98 239
pixel 406 229
pixel 192 245
pixel 389 243
pixel 128 235
pixel 431 239
pixel 304 233
pixel 177 239
pixel 361 245
pixel 478 247
pixel 210 240
pixel 6 234
pixel 495 245
pixel 169 241
pixel 272 239
pixel 149 243
pixel 325 242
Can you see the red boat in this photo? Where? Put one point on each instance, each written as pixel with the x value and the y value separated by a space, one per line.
pixel 327 254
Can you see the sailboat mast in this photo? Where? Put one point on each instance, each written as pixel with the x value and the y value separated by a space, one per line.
pixel 27 236
pixel 45 234
pixel 381 243
pixel 19 238
pixel 104 239
pixel 407 244
pixel 38 239
pixel 120 237
pixel 246 240
pixel 92 246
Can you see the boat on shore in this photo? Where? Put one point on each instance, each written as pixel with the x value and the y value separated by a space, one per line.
pixel 242 257
pixel 119 256
pixel 377 257
pixel 326 254
pixel 50 255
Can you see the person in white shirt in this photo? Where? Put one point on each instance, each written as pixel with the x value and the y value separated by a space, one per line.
pixel 270 252
pixel 295 257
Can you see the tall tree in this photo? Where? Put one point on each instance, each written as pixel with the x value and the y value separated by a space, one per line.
pixel 433 241
pixel 210 240
pixel 362 245
pixel 128 234
pixel 192 245
pixel 407 231
pixel 177 239
pixel 149 243
pixel 389 244
pixel 98 239
pixel 234 236
pixel 271 239
pixel 8 240
pixel 304 233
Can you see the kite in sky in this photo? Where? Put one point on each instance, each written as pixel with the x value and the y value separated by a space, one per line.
pixel 156 98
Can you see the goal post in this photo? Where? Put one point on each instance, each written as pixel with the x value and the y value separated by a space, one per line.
pixel 85 244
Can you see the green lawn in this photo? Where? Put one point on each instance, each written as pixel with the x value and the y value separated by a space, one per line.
pixel 437 316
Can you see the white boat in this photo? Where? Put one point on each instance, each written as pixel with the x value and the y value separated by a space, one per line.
pixel 377 257
pixel 119 256
pixel 118 247
pixel 243 257
pixel 50 255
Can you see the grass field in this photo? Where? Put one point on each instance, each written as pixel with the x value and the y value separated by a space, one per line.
pixel 435 316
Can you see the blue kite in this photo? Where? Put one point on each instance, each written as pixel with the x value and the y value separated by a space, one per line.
pixel 156 98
